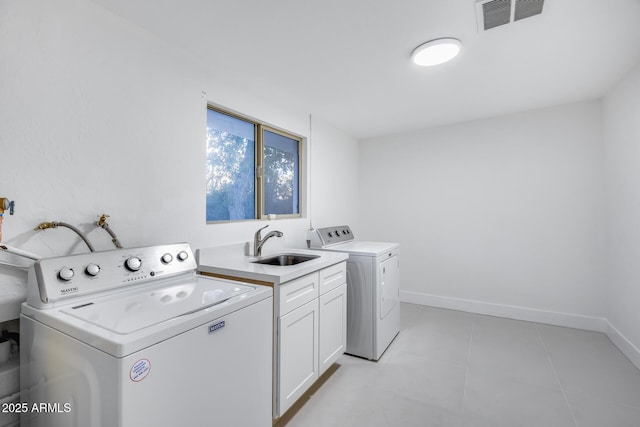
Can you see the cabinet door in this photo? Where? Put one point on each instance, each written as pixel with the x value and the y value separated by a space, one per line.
pixel 333 326
pixel 298 353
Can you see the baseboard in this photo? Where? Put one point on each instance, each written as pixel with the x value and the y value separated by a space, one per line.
pixel 626 347
pixel 508 311
pixel 577 321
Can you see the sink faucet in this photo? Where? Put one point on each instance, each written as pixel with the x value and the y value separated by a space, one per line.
pixel 258 241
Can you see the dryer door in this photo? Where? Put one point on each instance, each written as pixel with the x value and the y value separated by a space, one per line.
pixel 389 285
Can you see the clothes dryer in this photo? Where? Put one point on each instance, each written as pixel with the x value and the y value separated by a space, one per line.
pixel 373 288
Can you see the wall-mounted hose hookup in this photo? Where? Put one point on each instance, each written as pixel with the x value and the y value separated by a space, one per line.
pixel 5 204
pixel 102 222
pixel 56 224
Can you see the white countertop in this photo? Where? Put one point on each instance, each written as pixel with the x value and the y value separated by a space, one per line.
pixel 230 260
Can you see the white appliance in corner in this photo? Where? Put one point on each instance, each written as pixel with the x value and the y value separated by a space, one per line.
pixel 13 292
pixel 373 289
pixel 133 337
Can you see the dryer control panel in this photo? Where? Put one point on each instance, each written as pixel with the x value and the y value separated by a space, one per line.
pixel 61 279
pixel 323 237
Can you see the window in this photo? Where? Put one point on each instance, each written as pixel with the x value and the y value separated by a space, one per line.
pixel 281 160
pixel 252 170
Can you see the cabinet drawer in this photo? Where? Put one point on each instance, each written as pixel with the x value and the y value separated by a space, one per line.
pixel 332 277
pixel 298 292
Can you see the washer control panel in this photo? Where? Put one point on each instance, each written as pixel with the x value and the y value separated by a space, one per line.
pixel 74 276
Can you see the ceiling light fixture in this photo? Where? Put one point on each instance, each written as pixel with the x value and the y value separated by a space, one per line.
pixel 436 52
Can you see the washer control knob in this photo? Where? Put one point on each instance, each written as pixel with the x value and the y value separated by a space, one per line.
pixel 183 255
pixel 66 274
pixel 133 263
pixel 166 258
pixel 92 269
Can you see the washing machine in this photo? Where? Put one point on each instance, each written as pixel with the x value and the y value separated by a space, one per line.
pixel 373 288
pixel 134 337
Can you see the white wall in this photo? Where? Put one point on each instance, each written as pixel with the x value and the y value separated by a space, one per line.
pixel 97 115
pixel 621 110
pixel 502 216
pixel 334 178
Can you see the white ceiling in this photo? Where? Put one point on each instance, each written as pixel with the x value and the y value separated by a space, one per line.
pixel 347 61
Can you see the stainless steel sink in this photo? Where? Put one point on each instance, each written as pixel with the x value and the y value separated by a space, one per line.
pixel 285 259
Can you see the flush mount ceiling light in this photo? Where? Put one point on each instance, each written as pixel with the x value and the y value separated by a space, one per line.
pixel 436 52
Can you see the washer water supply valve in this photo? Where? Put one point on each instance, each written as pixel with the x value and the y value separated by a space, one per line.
pixel 5 204
pixel 102 222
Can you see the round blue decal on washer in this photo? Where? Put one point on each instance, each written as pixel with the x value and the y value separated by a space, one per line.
pixel 140 370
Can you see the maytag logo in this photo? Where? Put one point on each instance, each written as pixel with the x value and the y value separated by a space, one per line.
pixel 216 327
pixel 69 290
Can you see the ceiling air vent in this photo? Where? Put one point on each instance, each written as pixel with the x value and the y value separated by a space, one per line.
pixel 527 8
pixel 494 13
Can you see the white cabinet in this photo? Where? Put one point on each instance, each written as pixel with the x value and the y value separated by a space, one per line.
pixel 332 277
pixel 297 292
pixel 333 326
pixel 311 327
pixel 333 314
pixel 298 352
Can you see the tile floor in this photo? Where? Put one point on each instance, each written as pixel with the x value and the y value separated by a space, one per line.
pixel 450 368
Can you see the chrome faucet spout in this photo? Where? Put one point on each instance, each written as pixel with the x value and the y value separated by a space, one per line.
pixel 258 241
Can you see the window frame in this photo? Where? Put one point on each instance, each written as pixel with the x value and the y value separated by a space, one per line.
pixel 259 129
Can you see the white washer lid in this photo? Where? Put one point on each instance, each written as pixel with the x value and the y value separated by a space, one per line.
pixel 357 247
pixel 127 314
